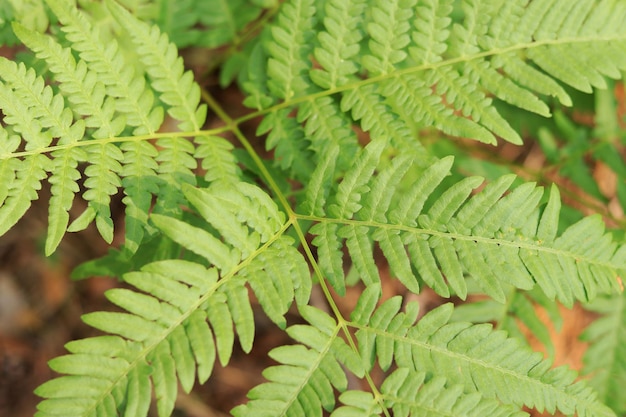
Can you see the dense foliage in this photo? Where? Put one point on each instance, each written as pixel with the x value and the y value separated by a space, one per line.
pixel 372 113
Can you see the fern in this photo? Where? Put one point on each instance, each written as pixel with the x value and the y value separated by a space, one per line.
pixel 360 102
pixel 604 357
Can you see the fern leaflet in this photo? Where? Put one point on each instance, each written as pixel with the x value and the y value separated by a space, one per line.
pixel 181 317
pixel 458 235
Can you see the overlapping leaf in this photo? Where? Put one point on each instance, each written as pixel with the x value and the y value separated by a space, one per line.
pixel 100 96
pixel 475 356
pixel 498 237
pixel 182 315
pixel 309 372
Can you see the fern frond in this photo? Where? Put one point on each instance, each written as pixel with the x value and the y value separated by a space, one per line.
pixel 291 147
pixel 414 49
pixel 339 43
pixel 303 382
pixel 253 82
pixel 288 64
pixel 123 81
pixel 77 82
pixel 25 180
pixel 166 69
pixel 134 101
pixel 389 35
pixel 99 97
pixel 411 393
pixel 347 91
pixel 431 24
pixel 140 183
pixel 551 58
pixel 319 185
pixel 217 159
pixel 184 315
pixel 25 174
pixel 459 235
pixel 367 106
pixel 225 20
pixel 178 20
pixel 49 110
pixel 520 310
pixel 604 359
pixel 324 124
pixel 87 97
pixel 474 356
pixel 177 90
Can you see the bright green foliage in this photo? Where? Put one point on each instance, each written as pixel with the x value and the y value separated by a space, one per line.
pixel 459 237
pixel 184 317
pixel 411 393
pixel 361 102
pixel 604 358
pixel 303 383
pixel 481 359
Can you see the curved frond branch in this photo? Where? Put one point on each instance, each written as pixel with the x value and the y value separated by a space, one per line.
pixel 183 315
pixel 466 74
pixel 459 236
pixel 475 356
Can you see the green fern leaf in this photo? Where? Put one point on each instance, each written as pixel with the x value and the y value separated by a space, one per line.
pixel 368 106
pixel 303 382
pixel 469 238
pixel 160 338
pixel 357 404
pixel 348 93
pixel 347 200
pixel 166 69
pixel 58 119
pixel 411 393
pixel 321 178
pixel 521 308
pixel 330 255
pixel 178 19
pixel 339 44
pixel 23 189
pixel 217 159
pixel 254 82
pixel 604 359
pixel 480 50
pixel 87 97
pixel 134 101
pixel 389 35
pixel 288 65
pixel 324 124
pixel 481 359
pixel 177 90
pixel 293 152
pixel 225 21
pixel 76 82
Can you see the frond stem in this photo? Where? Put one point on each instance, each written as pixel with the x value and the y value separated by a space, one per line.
pixel 343 323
